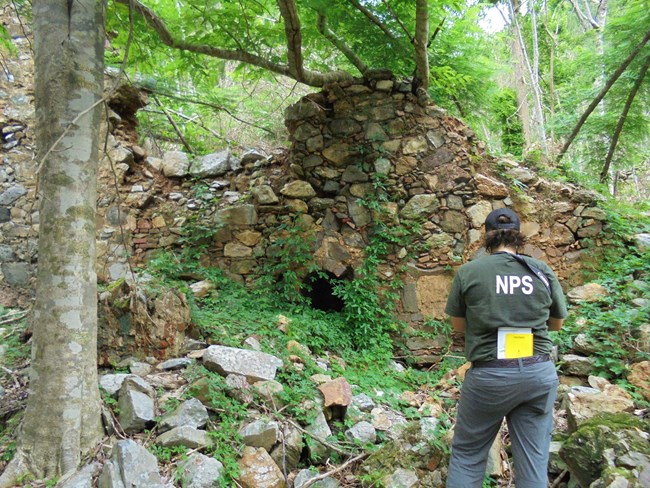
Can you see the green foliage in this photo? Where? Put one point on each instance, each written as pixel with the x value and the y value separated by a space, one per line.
pixel 376 374
pixel 489 482
pixel 204 96
pixel 224 431
pixel 8 430
pixel 16 349
pixel 109 401
pixel 462 60
pixel 291 261
pixel 6 46
pixel 585 60
pixel 505 109
pixel 370 299
pixel 166 454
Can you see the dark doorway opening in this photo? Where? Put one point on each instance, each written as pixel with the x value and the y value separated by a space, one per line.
pixel 319 290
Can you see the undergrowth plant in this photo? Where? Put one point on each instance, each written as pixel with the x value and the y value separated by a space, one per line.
pixel 291 260
pixel 370 298
pixel 15 350
pixel 612 325
pixel 228 417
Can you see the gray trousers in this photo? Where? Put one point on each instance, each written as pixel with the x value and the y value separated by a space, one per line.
pixel 525 397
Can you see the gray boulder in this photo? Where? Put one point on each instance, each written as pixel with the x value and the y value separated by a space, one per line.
pixel 175 163
pixel 200 471
pixel 210 165
pixel 361 433
pixel 137 409
pixel 401 478
pixel 254 365
pixel 305 475
pixel 184 436
pixel 260 433
pixel 130 466
pixel 609 444
pixel 11 194
pixel 190 413
pixel 286 453
pixel 319 430
pixel 82 478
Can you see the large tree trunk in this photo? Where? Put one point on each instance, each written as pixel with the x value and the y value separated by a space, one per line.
pixel 62 419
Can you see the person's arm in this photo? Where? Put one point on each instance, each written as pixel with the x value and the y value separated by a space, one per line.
pixel 554 324
pixel 458 324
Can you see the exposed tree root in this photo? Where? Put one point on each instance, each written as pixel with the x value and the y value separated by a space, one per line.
pixel 15 470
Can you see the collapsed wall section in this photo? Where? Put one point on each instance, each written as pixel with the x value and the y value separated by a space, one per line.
pixel 361 153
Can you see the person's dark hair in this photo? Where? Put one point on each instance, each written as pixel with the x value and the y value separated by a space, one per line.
pixel 503 237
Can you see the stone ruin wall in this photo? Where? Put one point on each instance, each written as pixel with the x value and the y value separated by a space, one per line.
pixel 433 167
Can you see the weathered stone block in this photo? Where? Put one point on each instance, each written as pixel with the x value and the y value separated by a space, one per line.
pixel 432 292
pixel 254 365
pixel 239 215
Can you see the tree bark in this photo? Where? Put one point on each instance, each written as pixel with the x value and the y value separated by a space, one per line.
pixel 62 418
pixel 519 78
pixel 594 103
pixel 421 42
pixel 586 20
pixel 293 33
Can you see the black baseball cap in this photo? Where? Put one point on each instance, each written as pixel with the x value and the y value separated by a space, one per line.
pixel 501 218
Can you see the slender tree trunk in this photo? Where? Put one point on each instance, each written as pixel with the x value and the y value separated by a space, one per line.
pixel 531 93
pixel 538 107
pixel 552 95
pixel 62 419
pixel 594 103
pixel 421 41
pixel 621 121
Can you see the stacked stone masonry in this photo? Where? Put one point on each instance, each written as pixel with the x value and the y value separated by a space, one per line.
pixel 349 145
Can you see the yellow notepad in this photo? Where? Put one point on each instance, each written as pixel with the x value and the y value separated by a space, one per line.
pixel 514 342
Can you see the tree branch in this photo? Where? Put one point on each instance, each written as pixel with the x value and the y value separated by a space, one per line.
pixel 323 28
pixel 398 20
pixel 372 18
pixel 594 103
pixel 585 21
pixel 320 440
pixel 436 32
pixel 621 121
pixel 343 466
pixel 292 30
pixel 198 123
pixel 216 107
pixel 311 78
pixel 173 124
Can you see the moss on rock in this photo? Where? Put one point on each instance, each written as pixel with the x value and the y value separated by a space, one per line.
pixel 600 441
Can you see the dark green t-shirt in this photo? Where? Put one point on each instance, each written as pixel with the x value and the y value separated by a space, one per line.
pixel 498 291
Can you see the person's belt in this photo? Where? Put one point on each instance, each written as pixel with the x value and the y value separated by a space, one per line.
pixel 511 363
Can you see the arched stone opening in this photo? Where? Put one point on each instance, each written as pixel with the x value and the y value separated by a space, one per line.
pixel 319 290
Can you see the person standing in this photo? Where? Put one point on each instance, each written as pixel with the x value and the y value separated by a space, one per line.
pixel 505 304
